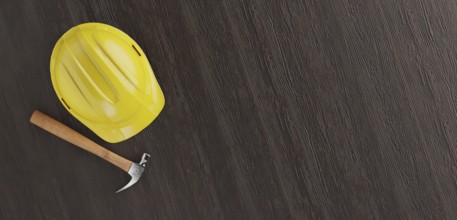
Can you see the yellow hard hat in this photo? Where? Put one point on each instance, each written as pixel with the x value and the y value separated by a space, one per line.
pixel 104 79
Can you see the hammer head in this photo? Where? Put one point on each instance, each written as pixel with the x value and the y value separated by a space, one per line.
pixel 136 170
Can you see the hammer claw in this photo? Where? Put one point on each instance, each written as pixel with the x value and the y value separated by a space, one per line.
pixel 135 171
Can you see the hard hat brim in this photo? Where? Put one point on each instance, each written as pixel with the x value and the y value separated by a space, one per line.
pixel 114 133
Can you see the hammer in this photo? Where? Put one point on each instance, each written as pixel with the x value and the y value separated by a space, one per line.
pixel 135 170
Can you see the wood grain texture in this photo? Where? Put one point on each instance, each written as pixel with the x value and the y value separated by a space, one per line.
pixel 286 109
pixel 62 131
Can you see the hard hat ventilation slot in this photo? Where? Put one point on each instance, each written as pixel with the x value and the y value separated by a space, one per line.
pixel 138 52
pixel 66 105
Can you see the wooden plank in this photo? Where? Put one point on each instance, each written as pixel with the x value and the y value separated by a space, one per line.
pixel 274 110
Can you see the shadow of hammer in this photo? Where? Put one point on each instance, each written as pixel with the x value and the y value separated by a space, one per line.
pixel 135 170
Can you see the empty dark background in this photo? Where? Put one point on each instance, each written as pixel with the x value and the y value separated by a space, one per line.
pixel 277 109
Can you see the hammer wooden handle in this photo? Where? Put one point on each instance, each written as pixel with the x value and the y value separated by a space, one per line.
pixel 60 130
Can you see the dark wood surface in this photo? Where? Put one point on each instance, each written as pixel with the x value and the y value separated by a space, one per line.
pixel 280 109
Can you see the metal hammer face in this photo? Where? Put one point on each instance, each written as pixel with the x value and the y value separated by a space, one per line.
pixel 136 171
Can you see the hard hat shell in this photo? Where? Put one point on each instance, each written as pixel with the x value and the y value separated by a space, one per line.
pixel 104 79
